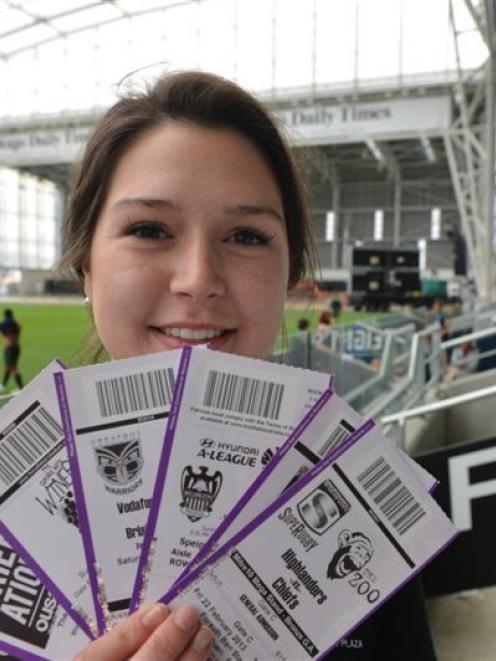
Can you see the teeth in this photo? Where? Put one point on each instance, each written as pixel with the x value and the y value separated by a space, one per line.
pixel 192 334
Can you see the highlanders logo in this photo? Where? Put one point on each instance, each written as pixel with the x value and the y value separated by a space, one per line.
pixel 354 552
pixel 322 508
pixel 119 463
pixel 199 492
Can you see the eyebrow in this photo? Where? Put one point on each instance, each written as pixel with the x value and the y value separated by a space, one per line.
pixel 150 202
pixel 243 210
pixel 239 210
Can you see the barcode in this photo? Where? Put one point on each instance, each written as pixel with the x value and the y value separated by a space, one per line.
pixel 337 436
pixel 231 392
pixel 135 392
pixel 391 495
pixel 27 443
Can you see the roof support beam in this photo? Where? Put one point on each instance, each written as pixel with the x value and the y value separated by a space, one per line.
pixel 385 158
pixel 428 150
pixel 470 151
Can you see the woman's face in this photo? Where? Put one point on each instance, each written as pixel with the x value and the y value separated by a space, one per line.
pixel 190 246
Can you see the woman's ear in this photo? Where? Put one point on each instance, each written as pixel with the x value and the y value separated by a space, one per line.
pixel 87 281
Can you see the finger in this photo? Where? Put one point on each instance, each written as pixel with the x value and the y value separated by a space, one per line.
pixel 123 640
pixel 200 647
pixel 172 637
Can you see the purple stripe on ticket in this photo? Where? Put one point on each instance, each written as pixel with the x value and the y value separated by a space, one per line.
pixel 160 480
pixel 80 501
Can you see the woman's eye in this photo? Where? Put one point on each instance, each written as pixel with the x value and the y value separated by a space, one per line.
pixel 250 237
pixel 148 231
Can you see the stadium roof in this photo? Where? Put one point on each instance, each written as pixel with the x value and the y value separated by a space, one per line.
pixel 60 59
pixel 27 24
pixel 282 43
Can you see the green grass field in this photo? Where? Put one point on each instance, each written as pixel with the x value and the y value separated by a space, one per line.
pixel 57 330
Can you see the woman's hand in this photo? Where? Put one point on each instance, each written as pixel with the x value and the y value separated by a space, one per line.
pixel 154 633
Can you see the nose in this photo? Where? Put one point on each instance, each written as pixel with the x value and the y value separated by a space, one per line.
pixel 197 270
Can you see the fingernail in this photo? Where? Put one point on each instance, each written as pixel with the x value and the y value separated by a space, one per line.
pixel 154 615
pixel 186 618
pixel 202 640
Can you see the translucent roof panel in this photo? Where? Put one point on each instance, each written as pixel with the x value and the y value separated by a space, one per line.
pixel 90 16
pixel 18 16
pixel 69 54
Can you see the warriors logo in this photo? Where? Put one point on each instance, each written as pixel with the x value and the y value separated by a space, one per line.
pixel 119 463
pixel 355 551
pixel 199 492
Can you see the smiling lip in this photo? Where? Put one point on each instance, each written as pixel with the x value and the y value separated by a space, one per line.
pixel 191 334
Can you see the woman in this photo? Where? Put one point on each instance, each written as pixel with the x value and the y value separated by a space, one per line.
pixel 187 225
pixel 325 325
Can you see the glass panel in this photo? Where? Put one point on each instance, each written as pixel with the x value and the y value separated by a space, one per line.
pixel 11 18
pixel 26 37
pixel 294 66
pixel 155 48
pixel 86 17
pixel 28 221
pixel 335 41
pixel 82 57
pixel 379 35
pixel 52 89
pixel 425 42
pixel 217 47
pixel 49 8
pixel 179 25
pixel 254 63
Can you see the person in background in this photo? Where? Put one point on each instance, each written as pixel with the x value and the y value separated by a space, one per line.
pixel 303 324
pixel 299 349
pixel 427 352
pixel 336 307
pixel 325 325
pixel 187 225
pixel 464 360
pixel 11 331
pixel 439 315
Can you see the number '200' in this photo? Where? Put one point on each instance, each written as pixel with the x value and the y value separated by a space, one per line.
pixel 363 587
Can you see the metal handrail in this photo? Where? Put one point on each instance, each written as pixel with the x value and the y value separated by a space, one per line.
pixel 396 334
pixel 439 405
pixel 477 335
pixel 416 363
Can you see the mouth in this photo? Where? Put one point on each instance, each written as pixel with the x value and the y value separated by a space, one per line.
pixel 179 336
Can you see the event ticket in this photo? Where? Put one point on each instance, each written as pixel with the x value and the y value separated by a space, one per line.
pixel 114 416
pixel 32 624
pixel 230 415
pixel 329 424
pixel 325 430
pixel 37 508
pixel 343 539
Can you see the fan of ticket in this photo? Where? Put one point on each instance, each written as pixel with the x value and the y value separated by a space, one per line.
pixel 246 488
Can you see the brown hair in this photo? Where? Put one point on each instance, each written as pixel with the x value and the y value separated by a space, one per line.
pixel 325 318
pixel 206 100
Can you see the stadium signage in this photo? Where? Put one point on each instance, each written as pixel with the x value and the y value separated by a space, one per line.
pixel 323 123
pixel 467 493
pixel 42 146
